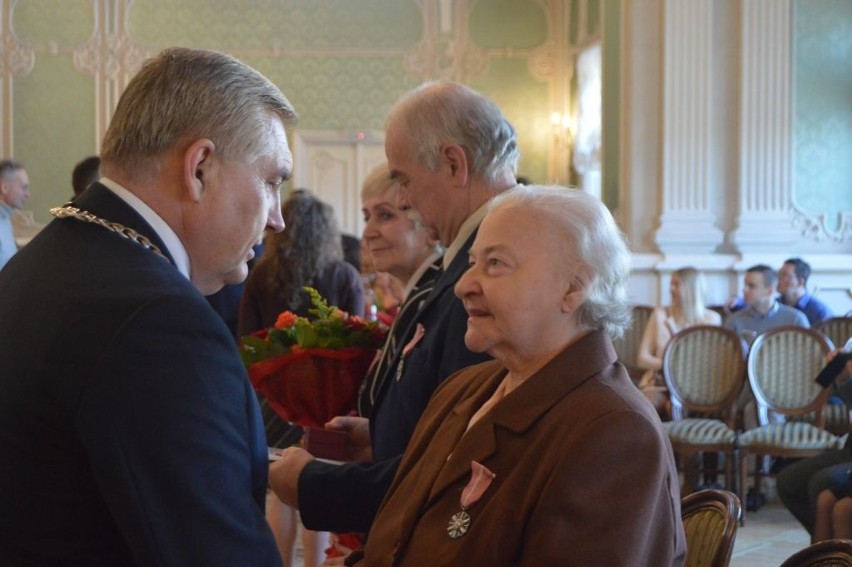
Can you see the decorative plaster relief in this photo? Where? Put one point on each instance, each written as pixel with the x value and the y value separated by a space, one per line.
pixel 15 57
pixel 444 57
pixel 110 55
pixel 542 61
pixel 813 226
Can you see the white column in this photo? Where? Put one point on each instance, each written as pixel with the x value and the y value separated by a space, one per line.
pixel 687 222
pixel 766 128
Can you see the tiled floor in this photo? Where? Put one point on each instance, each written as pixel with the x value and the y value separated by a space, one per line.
pixel 770 536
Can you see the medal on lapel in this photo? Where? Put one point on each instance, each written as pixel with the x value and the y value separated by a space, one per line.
pixel 459 524
pixel 480 480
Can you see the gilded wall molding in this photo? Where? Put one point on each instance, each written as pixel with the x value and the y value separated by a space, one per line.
pixel 111 57
pixel 16 58
pixel 542 61
pixel 446 50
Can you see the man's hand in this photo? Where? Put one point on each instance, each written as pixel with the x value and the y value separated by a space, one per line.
pixel 357 435
pixel 284 474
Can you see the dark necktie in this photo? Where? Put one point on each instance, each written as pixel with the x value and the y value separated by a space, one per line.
pixel 372 384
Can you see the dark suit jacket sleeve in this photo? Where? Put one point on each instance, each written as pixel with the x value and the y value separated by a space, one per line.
pixel 344 498
pixel 173 433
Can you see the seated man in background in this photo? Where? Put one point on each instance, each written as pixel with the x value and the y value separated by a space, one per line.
pixel 763 311
pixel 792 285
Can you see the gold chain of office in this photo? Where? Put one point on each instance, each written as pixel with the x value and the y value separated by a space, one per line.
pixel 67 211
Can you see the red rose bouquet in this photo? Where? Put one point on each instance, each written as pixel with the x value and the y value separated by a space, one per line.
pixel 310 369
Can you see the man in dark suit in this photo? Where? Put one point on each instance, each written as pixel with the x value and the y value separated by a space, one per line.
pixel 462 155
pixel 130 433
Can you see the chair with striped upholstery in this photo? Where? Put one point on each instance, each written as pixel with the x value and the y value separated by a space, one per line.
pixel 704 369
pixel 627 346
pixel 782 365
pixel 710 524
pixel 837 329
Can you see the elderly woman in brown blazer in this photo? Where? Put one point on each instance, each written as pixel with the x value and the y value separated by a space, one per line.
pixel 548 455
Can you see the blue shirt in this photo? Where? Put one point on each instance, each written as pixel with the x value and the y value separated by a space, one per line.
pixel 814 309
pixel 8 246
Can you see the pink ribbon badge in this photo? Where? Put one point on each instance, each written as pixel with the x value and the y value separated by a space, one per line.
pixel 419 331
pixel 480 480
pixel 418 334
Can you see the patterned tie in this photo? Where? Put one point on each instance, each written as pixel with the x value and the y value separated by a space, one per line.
pixel 372 384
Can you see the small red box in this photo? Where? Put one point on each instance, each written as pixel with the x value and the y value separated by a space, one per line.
pixel 326 444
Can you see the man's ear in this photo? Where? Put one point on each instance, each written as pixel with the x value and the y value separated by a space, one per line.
pixel 456 161
pixel 198 167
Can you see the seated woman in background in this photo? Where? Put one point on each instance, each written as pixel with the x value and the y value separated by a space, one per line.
pixel 686 310
pixel 523 460
pixel 308 252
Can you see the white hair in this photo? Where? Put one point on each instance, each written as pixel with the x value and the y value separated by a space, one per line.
pixel 442 112
pixel 587 236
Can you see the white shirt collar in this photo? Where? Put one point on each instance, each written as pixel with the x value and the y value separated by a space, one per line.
pixel 467 228
pixel 163 230
pixel 418 273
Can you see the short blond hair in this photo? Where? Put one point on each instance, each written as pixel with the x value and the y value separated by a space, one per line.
pixel 377 182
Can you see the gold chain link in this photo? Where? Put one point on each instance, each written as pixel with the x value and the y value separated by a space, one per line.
pixel 67 211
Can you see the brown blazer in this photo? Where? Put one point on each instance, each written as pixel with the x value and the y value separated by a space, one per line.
pixel 585 474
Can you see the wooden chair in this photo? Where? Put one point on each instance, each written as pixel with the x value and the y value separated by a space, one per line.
pixel 627 347
pixel 710 523
pixel 782 365
pixel 829 553
pixel 704 368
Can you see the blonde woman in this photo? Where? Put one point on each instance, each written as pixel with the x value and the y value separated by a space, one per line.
pixel 687 309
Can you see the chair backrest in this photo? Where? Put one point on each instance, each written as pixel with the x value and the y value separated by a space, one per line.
pixel 710 519
pixel 837 329
pixel 704 369
pixel 627 347
pixel 829 553
pixel 782 365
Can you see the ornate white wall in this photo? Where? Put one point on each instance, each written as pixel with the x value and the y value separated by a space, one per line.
pixel 707 148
